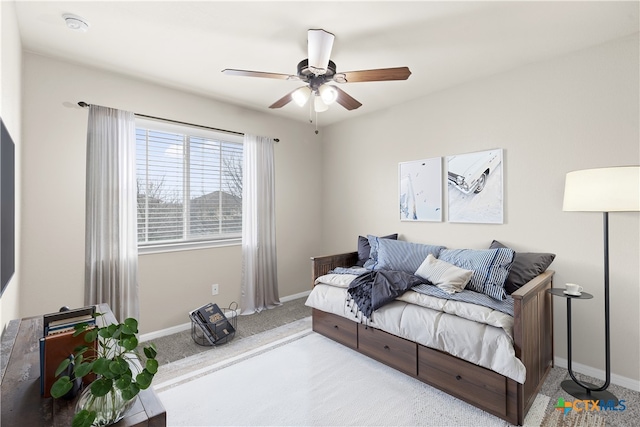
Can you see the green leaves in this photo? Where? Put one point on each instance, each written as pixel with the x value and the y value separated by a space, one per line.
pixel 84 418
pixel 63 366
pixel 61 386
pixel 112 363
pixel 91 335
pixel 152 366
pixel 123 382
pixel 130 326
pixel 101 386
pixel 101 366
pixel 130 392
pixel 82 369
pixel 150 351
pixel 119 366
pixel 143 379
pixel 129 343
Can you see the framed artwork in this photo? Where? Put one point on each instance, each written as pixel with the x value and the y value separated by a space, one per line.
pixel 421 190
pixel 475 187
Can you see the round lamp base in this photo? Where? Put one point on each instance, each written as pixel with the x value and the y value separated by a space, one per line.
pixel 605 397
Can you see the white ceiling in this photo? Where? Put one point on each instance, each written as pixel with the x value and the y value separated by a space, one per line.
pixel 186 44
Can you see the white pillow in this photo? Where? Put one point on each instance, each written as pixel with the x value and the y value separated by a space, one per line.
pixel 447 277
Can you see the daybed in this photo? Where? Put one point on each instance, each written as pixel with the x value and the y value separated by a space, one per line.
pixel 426 337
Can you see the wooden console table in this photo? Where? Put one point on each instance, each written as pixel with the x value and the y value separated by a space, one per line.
pixel 21 400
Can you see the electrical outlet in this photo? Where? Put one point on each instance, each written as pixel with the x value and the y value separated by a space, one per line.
pixel 214 289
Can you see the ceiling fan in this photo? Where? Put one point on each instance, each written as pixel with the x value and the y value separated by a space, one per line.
pixel 318 70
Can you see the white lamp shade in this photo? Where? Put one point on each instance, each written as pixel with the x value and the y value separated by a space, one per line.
pixel 320 44
pixel 318 105
pixel 614 189
pixel 328 93
pixel 301 95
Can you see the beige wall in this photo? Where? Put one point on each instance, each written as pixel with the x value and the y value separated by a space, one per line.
pixel 10 111
pixel 171 284
pixel 575 112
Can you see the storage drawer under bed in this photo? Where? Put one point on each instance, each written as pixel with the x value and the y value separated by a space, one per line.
pixel 472 383
pixel 389 349
pixel 337 328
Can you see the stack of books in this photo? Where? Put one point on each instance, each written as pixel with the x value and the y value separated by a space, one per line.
pixel 214 324
pixel 58 341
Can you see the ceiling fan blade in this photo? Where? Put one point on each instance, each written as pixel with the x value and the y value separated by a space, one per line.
pixel 346 100
pixel 246 73
pixel 283 101
pixel 378 75
pixel 319 45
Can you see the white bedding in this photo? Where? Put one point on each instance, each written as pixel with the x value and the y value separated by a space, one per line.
pixel 479 335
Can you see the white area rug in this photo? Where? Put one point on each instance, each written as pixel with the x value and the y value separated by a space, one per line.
pixel 309 380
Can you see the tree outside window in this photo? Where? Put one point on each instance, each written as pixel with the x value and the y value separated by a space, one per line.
pixel 189 187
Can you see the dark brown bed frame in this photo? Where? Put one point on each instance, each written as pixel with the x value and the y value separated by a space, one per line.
pixel 481 387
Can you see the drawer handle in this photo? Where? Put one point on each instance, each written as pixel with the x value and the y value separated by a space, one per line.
pixel 386 347
pixel 458 377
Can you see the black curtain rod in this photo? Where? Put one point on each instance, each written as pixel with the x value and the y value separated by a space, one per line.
pixel 84 105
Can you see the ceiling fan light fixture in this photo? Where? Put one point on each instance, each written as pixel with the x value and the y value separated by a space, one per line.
pixel 318 105
pixel 301 96
pixel 320 43
pixel 328 93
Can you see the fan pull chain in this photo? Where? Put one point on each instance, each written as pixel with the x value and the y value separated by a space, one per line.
pixel 311 111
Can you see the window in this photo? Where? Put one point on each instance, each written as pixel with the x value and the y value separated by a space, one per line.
pixel 189 185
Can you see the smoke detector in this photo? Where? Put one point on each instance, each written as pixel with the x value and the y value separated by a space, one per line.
pixel 75 22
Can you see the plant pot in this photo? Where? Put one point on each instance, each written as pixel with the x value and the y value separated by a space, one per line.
pixel 109 408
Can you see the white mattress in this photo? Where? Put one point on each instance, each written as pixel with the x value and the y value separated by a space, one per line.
pixel 476 334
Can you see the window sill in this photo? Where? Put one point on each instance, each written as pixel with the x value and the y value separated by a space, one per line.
pixel 189 246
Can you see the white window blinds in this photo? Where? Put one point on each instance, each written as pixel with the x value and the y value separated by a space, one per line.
pixel 189 184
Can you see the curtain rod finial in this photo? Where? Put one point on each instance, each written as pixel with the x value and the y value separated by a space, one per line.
pixel 83 104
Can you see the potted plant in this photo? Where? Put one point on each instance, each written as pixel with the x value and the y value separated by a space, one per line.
pixel 117 365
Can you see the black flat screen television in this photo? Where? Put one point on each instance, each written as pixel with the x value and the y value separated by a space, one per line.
pixel 7 207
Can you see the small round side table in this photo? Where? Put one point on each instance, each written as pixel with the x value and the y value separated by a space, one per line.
pixel 575 387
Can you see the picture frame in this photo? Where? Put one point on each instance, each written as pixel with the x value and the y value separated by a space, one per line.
pixel 475 187
pixel 420 190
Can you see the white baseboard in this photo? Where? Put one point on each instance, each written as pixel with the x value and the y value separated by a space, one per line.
pixel 164 332
pixel 185 326
pixel 295 296
pixel 598 373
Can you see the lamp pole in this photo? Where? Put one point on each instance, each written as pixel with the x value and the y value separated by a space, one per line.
pixel 585 390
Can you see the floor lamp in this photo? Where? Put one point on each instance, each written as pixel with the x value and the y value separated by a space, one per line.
pixel 605 190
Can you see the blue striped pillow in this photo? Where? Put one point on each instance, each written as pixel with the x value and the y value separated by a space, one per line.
pixel 368 249
pixel 490 268
pixel 403 256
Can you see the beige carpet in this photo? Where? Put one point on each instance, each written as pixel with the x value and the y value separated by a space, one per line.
pixel 179 346
pixel 171 374
pixel 573 419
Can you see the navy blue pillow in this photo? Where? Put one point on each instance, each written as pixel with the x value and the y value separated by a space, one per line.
pixel 364 248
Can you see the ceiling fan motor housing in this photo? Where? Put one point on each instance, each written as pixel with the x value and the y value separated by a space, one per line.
pixel 315 81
